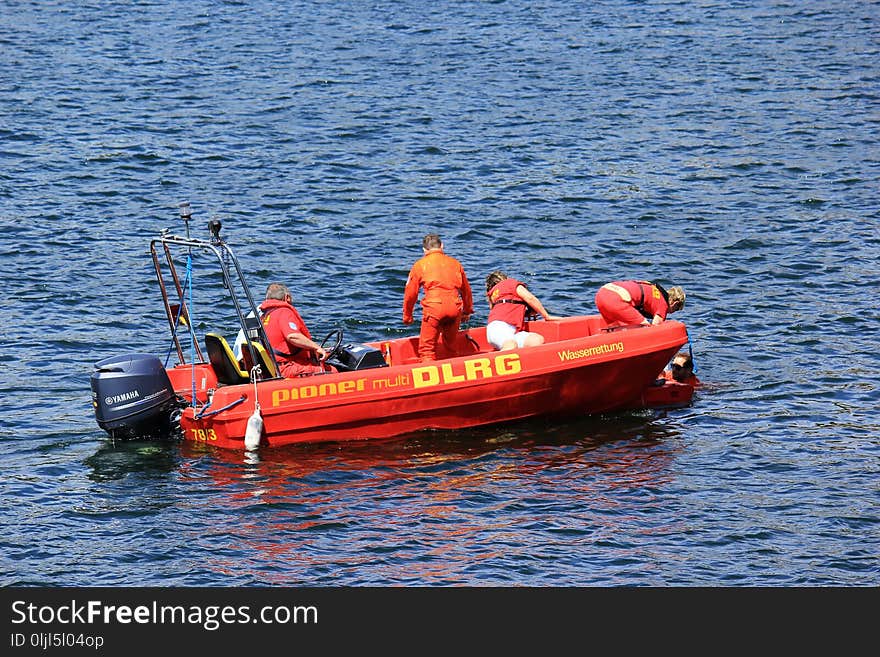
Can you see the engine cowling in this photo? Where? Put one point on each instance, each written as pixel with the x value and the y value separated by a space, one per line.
pixel 133 397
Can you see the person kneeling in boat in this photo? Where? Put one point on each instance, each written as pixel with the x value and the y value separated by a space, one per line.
pixel 297 354
pixel 633 303
pixel 509 301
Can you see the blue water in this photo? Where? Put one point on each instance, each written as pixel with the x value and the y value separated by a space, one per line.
pixel 732 148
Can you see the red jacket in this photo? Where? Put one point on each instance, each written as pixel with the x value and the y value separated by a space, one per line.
pixel 646 298
pixel 279 320
pixel 507 305
pixel 447 291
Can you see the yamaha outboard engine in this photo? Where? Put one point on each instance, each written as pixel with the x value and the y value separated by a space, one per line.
pixel 133 397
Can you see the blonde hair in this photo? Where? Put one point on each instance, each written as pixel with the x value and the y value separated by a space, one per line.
pixel 676 297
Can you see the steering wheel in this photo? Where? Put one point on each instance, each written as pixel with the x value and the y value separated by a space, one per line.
pixel 334 350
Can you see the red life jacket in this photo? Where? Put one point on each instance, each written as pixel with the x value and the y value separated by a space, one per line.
pixel 277 316
pixel 507 305
pixel 650 306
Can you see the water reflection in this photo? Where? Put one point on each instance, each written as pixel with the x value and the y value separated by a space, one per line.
pixel 115 461
pixel 424 509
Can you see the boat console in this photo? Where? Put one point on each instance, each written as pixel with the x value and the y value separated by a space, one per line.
pixel 352 357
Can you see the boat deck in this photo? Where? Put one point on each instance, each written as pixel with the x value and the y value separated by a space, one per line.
pixel 404 351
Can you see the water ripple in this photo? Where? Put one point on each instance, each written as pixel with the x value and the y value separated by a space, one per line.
pixel 567 147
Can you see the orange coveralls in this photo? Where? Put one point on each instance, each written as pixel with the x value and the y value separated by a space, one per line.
pixel 446 300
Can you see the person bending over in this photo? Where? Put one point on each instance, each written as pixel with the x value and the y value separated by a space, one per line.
pixel 632 303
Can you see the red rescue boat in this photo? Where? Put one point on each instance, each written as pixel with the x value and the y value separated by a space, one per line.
pixel 381 389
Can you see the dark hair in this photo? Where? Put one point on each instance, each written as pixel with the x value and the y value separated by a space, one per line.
pixel 432 241
pixel 688 359
pixel 494 279
pixel 684 371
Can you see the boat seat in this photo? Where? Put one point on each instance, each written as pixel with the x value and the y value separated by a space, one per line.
pixel 176 312
pixel 223 361
pixel 267 367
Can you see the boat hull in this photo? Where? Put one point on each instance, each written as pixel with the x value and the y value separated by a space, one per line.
pixel 581 369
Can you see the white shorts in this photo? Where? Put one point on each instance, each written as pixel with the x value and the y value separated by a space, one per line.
pixel 498 332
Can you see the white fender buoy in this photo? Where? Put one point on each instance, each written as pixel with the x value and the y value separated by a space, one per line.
pixel 254 431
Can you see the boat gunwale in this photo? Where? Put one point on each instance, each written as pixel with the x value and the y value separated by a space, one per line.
pixel 534 356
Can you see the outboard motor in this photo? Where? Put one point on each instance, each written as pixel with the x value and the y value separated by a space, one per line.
pixel 133 397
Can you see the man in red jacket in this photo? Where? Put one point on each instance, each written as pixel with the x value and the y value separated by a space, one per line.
pixel 297 354
pixel 447 299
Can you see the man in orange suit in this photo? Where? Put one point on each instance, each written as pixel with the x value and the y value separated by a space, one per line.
pixel 447 299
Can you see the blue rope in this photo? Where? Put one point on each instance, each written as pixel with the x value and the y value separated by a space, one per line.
pixel 192 340
pixel 691 352
pixel 186 281
pixel 203 413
